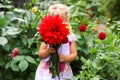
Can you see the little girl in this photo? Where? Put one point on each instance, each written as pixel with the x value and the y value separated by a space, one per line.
pixel 67 52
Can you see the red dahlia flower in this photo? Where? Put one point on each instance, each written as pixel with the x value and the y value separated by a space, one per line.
pixel 53 30
pixel 102 35
pixel 65 40
pixel 82 28
pixel 14 52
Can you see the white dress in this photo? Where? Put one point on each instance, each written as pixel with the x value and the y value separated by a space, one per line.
pixel 43 72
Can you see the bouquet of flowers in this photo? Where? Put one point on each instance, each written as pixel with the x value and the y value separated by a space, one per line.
pixel 54 32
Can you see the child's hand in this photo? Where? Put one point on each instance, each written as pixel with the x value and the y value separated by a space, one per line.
pixel 51 50
pixel 62 57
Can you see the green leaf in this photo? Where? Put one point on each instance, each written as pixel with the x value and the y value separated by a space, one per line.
pixel 7 6
pixel 97 77
pixel 23 65
pixel 28 6
pixel 3 41
pixel 81 42
pixel 78 37
pixel 30 42
pixel 28 13
pixel 2 62
pixel 19 10
pixel 24 41
pixel 97 64
pixel 30 59
pixel 2 14
pixel 14 66
pixel 3 22
pixel 18 58
pixel 10 30
pixel 17 19
pixel 7 65
pixel 7 47
pixel 83 60
pixel 35 1
pixel 93 50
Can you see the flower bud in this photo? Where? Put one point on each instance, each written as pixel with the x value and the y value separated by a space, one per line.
pixel 102 35
pixel 34 9
pixel 82 28
pixel 14 52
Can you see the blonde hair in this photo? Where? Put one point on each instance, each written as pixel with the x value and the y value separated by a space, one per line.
pixel 60 9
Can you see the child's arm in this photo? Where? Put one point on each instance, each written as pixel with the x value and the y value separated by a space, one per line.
pixel 72 56
pixel 44 51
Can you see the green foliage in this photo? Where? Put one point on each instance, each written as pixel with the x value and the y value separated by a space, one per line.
pixel 116 27
pixel 112 8
pixel 18 29
pixel 3 41
pixel 98 57
pixel 103 64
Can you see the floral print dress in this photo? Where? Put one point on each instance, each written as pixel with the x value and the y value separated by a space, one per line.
pixel 43 72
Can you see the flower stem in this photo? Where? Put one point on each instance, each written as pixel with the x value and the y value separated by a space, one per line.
pixel 55 65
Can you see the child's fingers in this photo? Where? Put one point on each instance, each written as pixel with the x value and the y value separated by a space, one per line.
pixel 52 50
pixel 62 57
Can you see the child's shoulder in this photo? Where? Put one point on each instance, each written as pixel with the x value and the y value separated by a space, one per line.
pixel 72 37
